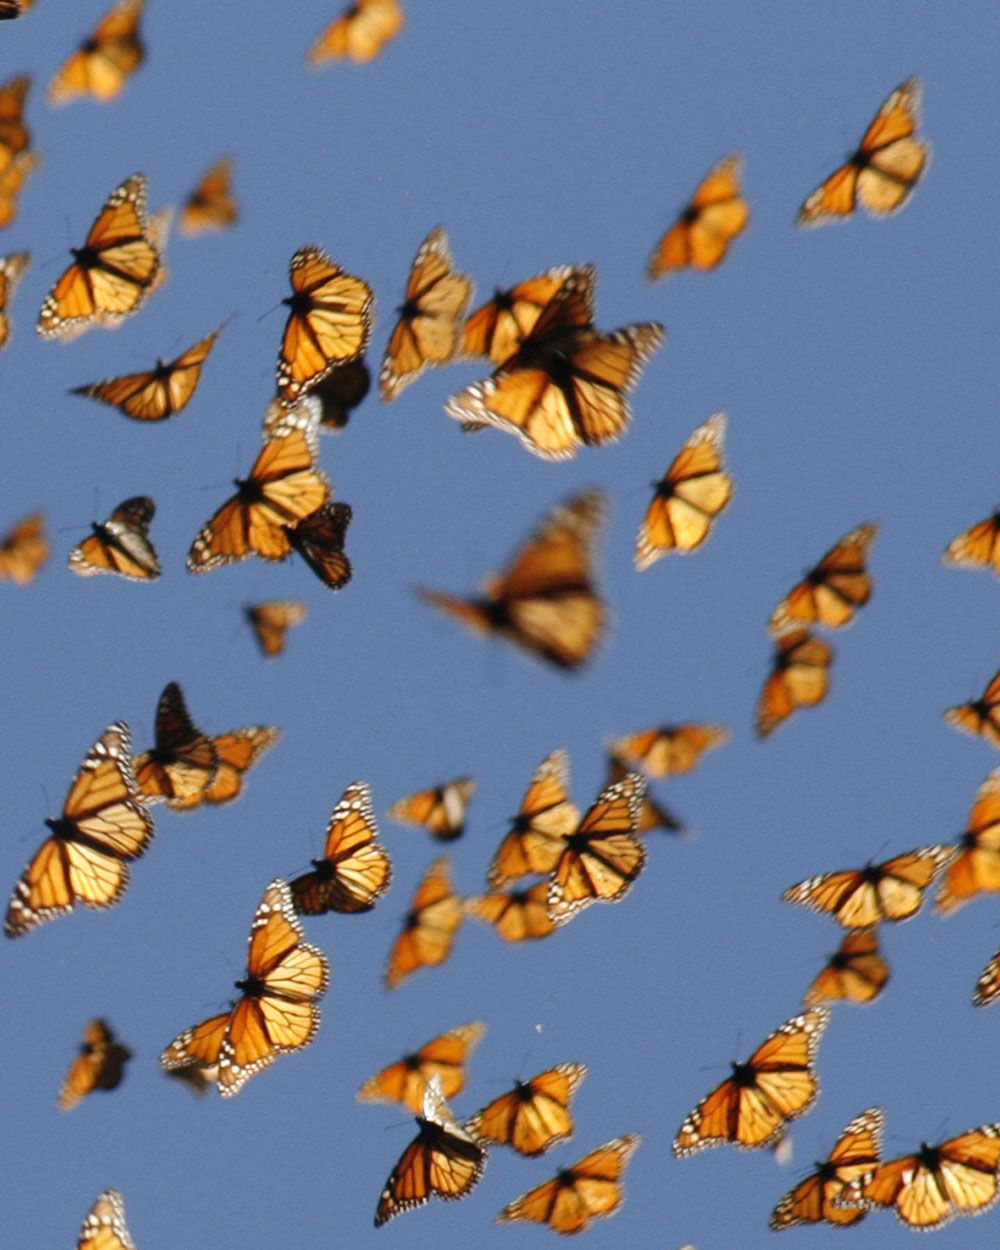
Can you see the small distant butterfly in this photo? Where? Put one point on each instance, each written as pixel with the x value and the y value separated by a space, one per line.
pixel 975 868
pixel 652 816
pixel 701 235
pixel 354 870
pixel 319 540
pixel 105 60
pixel 99 1065
pixel 157 394
pixel 271 621
pixel 14 134
pixel 669 749
pixel 980 716
pixel 183 764
pixel 24 550
pixel 429 927
pixel 534 1115
pixel 105 1227
pixel 813 1201
pixel 497 329
pixel 862 897
pixel 976 548
pixel 538 831
pixel 855 973
pixel 11 180
pixel 210 206
pixel 516 915
pixel 359 33
pixel 120 544
pixel 799 677
pixel 440 810
pixel 988 986
pixel 443 1057
pixel 832 590
pixel 340 392
pixel 12 269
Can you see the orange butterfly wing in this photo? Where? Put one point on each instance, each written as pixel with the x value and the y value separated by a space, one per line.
pixel 534 1115
pixel 652 815
pixel 12 269
pixel 355 870
pixel 120 544
pixel 14 134
pixel 24 549
pixel 977 547
pixel 104 1227
pixel 238 751
pixel 701 236
pixel 211 205
pixel 429 926
pixel 498 328
pixel 444 1057
pixel 975 869
pixel 980 716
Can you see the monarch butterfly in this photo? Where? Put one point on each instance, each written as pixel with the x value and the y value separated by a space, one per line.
pixel 429 926
pixel 975 869
pixel 271 621
pixel 354 871
pixel 442 1159
pixel 329 321
pixel 669 749
pixel 359 33
pixel 652 815
pixel 776 1084
pixel 440 810
pixel 319 540
pixel 99 1065
pixel 183 763
pixel 929 1187
pixel 855 973
pixel 427 331
pixel 976 548
pixel 443 1057
pixel 517 915
pixel 799 677
pixel 11 180
pixel 105 60
pixel 210 206
pixel 276 1013
pixel 534 1115
pixel 813 1201
pixel 103 825
pixel 104 1227
pixel 23 550
pixel 988 986
pixel 499 327
pixel 340 392
pixel 120 544
pixel 589 1188
pixel 690 495
pixel 701 235
pixel 602 858
pixel 545 600
pixel 537 834
pixel 14 134
pixel 980 716
pixel 862 897
pixel 159 393
pixel 237 752
pixel 883 171
pixel 832 590
pixel 12 269
pixel 112 273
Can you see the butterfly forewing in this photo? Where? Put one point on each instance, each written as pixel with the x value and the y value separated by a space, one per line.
pixel 443 1057
pixel 104 1227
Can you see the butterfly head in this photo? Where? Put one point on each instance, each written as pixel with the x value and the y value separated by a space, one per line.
pixel 251 987
pixel 409 310
pixel 299 302
pixel 690 215
pixel 411 920
pixel 744 1075
pixel 928 1156
pixel 411 1062
pixel 248 490
pixel 86 257
pixel 323 869
pixel 61 827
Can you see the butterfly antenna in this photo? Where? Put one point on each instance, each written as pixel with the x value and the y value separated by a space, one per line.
pixel 273 308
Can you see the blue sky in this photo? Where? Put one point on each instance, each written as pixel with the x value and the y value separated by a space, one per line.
pixel 858 368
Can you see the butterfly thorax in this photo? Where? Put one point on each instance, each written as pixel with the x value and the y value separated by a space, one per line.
pixel 577 842
pixel 503 301
pixel 969 841
pixel 324 869
pixel 408 310
pixel 89 46
pixel 410 921
pixel 839 960
pixel 564 1178
pixel 251 987
pixel 825 1171
pixel 663 488
pixel 87 257
pixel 522 1091
pixel 248 490
pixel 87 1049
pixel 871 874
pixel 744 1075
pixel 690 215
pixel 162 370
pixel 928 1157
pixel 300 303
pixel 411 1062
pixel 62 828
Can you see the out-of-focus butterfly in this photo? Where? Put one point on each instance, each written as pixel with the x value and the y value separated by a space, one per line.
pixel 11 181
pixel 120 544
pixel 602 857
pixel 855 972
pixel 668 749
pixel 799 677
pixel 238 751
pixel 14 134
pixel 832 590
pixel 271 621
pixel 516 915
pixel 319 540
pixel 104 1227
pixel 497 329
pixel 929 1187
pixel 546 817
pixel 354 870
pixel 105 60
pixel 980 716
pixel 690 495
pixel 99 1065
pixel 211 205
pixel 652 815
pixel 859 898
pixel 440 810
pixel 340 392
pixel 23 550
pixel 183 764
pixel 701 235
pixel 776 1084
pixel 545 600
pixel 534 1115
pixel 975 869
pixel 882 172
pixel 277 1012
pixel 158 393
pixel 443 1057
pixel 359 33
pixel 9 9
pixel 577 1194
pixel 988 985
pixel 12 269
pixel 442 1159
pixel 977 547
pixel 429 926
pixel 111 274
pixel 813 1201
pixel 103 825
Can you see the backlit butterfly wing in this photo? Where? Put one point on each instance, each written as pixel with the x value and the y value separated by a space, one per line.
pixel 340 392
pixel 120 544
pixel 652 815
pixel 105 1227
pixel 359 33
pixel 211 205
pixel 12 268
pixel 271 621
pixel 517 915
pixel 980 716
pixel 23 550
pixel 976 548
pixel 776 1084
pixel 855 973
pixel 198 1048
pixel 99 1065
pixel 813 1200
pixel 319 540
pixel 158 393
pixel 799 677
pixel 883 171
pixel 441 810
pixel 688 498
pixel 237 752
pixel 833 590
pixel 105 60
pixel 11 180
pixel 429 926
pixel 85 860
pixel 988 986
pixel 862 897
pixel 700 237
pixel 355 870
pixel 443 1057
pixel 975 868
pixel 591 1187
pixel 536 837
pixel 499 327
pixel 669 749
pixel 183 763
pixel 534 1115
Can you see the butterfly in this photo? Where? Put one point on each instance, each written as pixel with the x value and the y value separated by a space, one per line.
pixel 443 1057
pixel 276 1013
pixel 976 548
pixel 112 273
pixel 534 1115
pixel 9 9
pixel 882 172
pixel 23 550
pixel 99 1065
pixel 813 1201
pixel 340 392
pixel 669 749
pixel 602 857
pixel 105 60
pixel 577 1194
pixel 980 716
pixel 103 825
pixel 855 973
pixel 975 869
pixel 546 817
pixel 499 327
pixel 441 810
pixel 11 180
pixel 329 321
pixel 237 752
pixel 652 815
pixel 104 1227
pixel 442 1159
pixel 319 540
pixel 183 764
pixel 12 269
pixel 929 1187
pixel 354 870
pixel 776 1084
pixel 159 393
pixel 988 985
pixel 430 317
pixel 271 620
pixel 701 235
pixel 517 915
pixel 832 590
pixel 429 926
pixel 862 897
pixel 359 33
pixel 544 601
pixel 14 134
pixel 691 494
pixel 120 544
pixel 210 206
pixel 799 677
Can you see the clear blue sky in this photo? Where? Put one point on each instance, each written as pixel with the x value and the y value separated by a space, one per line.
pixel 858 368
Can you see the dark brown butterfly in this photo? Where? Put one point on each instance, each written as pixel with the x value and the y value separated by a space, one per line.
pixel 340 392
pixel 319 540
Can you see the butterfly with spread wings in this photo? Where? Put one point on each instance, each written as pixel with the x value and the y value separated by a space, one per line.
pixel 980 716
pixel 497 329
pixel 159 392
pixel 211 205
pixel 100 1064
pixel 440 810
pixel 534 1115
pixel 860 898
pixel 443 1057
pixel 354 870
pixel 120 544
pixel 271 621
pixel 12 270
pixel 975 868
pixel 359 33
pixel 669 749
pixel 799 677
pixel 104 1227
pixel 428 928
pixel 813 1201
pixel 516 915
pixel 24 549
pixel 105 60
pixel 537 835
pixel 832 590
pixel 182 765
pixel 702 234
pixel 854 973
